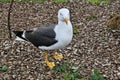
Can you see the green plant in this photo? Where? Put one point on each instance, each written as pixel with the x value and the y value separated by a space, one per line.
pixel 92 16
pixel 94 1
pixel 99 1
pixel 5 1
pixel 75 30
pixel 96 75
pixel 70 76
pixel 62 68
pixel 69 72
pixel 4 68
pixel 58 1
pixel 105 1
pixel 41 1
pixel 83 79
pixel 105 39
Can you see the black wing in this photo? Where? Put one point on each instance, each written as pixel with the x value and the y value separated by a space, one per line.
pixel 42 36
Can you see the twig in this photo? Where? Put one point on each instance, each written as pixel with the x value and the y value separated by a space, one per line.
pixel 9 11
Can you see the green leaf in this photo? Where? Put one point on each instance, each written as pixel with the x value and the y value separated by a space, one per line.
pixel 96 72
pixel 92 16
pixel 5 1
pixel 101 78
pixel 4 68
pixel 65 76
pixel 75 30
pixel 94 1
pixel 83 79
pixel 96 75
pixel 58 1
pixel 41 1
pixel 99 1
pixel 105 39
pixel 62 68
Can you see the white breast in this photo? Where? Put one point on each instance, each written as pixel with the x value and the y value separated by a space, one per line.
pixel 64 36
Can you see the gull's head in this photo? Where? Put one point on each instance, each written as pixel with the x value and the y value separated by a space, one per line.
pixel 64 15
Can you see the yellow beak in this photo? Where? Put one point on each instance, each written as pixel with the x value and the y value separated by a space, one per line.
pixel 66 20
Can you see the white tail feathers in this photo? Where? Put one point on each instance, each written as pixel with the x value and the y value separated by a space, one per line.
pixel 20 35
pixel 19 39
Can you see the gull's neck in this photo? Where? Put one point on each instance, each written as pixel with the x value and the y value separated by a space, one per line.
pixel 63 23
pixel 60 22
pixel 64 26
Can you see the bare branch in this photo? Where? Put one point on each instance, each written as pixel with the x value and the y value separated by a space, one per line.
pixel 9 11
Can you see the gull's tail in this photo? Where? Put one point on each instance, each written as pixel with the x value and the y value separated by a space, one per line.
pixel 20 35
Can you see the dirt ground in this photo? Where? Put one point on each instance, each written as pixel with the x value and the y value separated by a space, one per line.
pixel 94 46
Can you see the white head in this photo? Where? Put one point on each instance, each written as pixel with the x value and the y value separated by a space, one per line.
pixel 64 15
